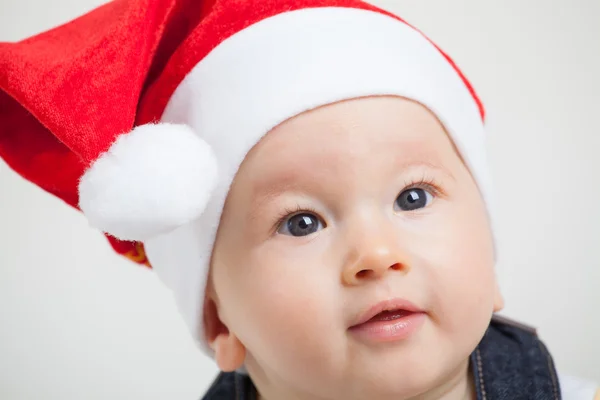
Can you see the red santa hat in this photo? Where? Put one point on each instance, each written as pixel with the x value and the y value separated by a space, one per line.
pixel 140 113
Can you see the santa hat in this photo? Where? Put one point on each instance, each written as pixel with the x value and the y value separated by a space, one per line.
pixel 140 113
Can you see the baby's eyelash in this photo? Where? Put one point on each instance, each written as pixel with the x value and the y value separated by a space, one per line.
pixel 425 182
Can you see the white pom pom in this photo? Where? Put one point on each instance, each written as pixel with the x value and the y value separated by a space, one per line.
pixel 152 180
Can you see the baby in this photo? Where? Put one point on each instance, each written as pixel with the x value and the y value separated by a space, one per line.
pixel 346 256
pixel 307 176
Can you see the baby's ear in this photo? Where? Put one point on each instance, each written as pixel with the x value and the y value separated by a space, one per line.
pixel 498 298
pixel 230 353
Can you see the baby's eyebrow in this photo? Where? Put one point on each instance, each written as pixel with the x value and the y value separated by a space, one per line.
pixel 439 167
pixel 264 193
pixel 283 180
pixel 296 181
pixel 268 190
pixel 259 201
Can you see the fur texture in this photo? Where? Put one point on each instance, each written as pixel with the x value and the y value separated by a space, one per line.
pixel 150 181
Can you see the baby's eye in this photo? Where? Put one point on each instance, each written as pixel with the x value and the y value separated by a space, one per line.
pixel 413 199
pixel 300 225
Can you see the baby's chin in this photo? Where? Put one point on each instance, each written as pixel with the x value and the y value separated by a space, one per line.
pixel 392 377
pixel 359 370
pixel 402 372
pixel 386 380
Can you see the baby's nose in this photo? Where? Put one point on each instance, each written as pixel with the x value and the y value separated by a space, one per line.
pixel 374 262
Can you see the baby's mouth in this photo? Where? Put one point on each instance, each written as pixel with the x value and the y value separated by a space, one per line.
pixel 389 315
pixel 385 317
pixel 388 310
pixel 388 321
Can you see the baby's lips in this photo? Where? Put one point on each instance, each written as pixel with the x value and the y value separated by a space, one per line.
pixel 386 305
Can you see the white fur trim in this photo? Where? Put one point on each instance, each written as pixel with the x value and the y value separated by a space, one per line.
pixel 281 67
pixel 151 181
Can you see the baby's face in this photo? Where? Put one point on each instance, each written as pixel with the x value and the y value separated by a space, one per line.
pixel 333 212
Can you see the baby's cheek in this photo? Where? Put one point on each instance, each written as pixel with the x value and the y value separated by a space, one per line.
pixel 471 291
pixel 463 276
pixel 289 313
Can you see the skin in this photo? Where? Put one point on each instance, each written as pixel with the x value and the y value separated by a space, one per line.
pixel 282 304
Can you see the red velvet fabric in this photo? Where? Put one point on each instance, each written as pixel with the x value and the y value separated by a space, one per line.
pixel 67 93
